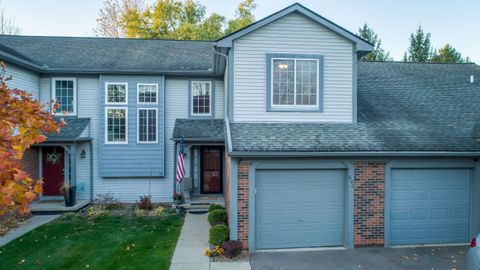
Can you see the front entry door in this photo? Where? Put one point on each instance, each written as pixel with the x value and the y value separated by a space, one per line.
pixel 53 170
pixel 211 170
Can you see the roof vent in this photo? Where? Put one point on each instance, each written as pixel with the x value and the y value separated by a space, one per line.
pixel 472 79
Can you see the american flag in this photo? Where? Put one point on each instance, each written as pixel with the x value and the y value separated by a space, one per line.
pixel 181 162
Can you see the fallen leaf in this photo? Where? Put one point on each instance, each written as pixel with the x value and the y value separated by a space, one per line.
pixel 21 261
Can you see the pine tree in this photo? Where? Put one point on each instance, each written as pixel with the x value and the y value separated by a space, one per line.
pixel 420 49
pixel 378 53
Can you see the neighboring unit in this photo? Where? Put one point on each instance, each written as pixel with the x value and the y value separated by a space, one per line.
pixel 308 146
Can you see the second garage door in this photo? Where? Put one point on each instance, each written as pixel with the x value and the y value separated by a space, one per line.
pixel 299 208
pixel 429 206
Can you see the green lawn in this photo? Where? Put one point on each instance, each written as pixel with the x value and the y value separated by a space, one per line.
pixel 106 242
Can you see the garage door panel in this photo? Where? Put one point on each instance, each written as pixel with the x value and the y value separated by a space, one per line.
pixel 429 206
pixel 308 213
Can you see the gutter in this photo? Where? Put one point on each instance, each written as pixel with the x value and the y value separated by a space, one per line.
pixel 229 136
pixel 355 154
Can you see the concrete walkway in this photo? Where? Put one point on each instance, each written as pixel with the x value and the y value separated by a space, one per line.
pixel 191 245
pixel 30 224
pixel 190 251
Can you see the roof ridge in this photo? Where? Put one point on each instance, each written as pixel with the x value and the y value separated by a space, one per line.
pixel 106 38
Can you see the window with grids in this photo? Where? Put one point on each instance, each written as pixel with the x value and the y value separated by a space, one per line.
pixel 201 97
pixel 116 125
pixel 116 93
pixel 294 82
pixel 147 93
pixel 147 125
pixel 64 95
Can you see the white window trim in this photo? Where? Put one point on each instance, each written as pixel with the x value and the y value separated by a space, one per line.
pixel 106 93
pixel 54 98
pixel 156 93
pixel 210 102
pixel 106 124
pixel 138 126
pixel 294 84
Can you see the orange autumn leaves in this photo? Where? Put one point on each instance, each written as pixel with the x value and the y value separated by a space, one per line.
pixel 23 122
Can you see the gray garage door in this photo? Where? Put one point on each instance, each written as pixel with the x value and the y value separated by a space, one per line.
pixel 299 208
pixel 429 206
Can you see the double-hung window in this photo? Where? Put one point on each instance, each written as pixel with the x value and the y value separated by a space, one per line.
pixel 116 114
pixel 294 82
pixel 64 91
pixel 201 98
pixel 116 125
pixel 147 125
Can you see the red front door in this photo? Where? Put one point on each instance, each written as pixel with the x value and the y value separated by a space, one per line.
pixel 53 170
pixel 211 170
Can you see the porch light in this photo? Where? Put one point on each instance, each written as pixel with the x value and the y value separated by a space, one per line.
pixel 83 154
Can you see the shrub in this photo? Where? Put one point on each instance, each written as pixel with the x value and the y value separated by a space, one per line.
pixel 218 234
pixel 217 217
pixel 213 252
pixel 215 206
pixel 107 201
pixel 145 202
pixel 232 249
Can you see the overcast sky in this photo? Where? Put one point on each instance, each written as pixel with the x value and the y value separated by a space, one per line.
pixel 456 22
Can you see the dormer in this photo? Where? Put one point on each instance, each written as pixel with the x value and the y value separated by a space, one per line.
pixel 292 66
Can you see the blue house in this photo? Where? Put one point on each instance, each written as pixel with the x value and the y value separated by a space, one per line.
pixel 307 146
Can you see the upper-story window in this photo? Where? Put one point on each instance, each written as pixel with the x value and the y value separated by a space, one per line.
pixel 147 125
pixel 201 98
pixel 147 93
pixel 294 82
pixel 116 93
pixel 116 125
pixel 64 91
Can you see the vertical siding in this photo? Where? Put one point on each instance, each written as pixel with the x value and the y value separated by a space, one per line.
pixel 23 79
pixel 293 33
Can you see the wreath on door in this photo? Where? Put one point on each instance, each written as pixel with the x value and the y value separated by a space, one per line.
pixel 53 157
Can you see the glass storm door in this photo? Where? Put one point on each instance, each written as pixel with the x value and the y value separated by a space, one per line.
pixel 211 170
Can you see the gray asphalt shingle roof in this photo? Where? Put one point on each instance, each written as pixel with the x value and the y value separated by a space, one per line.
pixel 401 107
pixel 72 131
pixel 115 54
pixel 199 129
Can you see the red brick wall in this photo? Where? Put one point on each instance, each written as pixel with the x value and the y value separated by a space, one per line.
pixel 30 162
pixel 369 203
pixel 243 203
pixel 227 161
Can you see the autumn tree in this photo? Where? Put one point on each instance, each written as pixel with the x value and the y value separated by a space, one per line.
pixel 23 122
pixel 378 53
pixel 169 19
pixel 448 54
pixel 420 49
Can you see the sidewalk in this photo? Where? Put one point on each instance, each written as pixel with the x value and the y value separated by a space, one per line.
pixel 30 224
pixel 190 251
pixel 191 245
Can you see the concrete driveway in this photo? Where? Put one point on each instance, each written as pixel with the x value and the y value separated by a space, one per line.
pixel 429 258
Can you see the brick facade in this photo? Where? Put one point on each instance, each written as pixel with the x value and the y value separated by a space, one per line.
pixel 369 203
pixel 243 168
pixel 31 162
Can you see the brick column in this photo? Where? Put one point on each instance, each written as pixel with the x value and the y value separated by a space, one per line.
pixel 243 203
pixel 369 203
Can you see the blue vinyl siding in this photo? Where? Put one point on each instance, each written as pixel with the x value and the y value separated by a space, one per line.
pixel 23 80
pixel 133 159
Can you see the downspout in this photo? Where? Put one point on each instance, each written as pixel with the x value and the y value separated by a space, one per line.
pixel 225 84
pixel 91 170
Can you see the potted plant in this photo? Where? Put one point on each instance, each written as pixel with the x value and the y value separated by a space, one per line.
pixel 69 192
pixel 177 198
